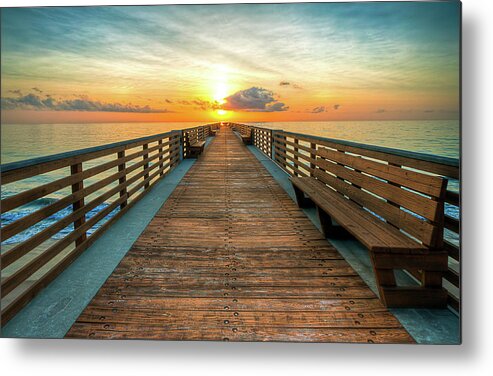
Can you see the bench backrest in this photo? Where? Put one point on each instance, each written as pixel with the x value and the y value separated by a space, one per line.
pixel 243 129
pixel 194 135
pixel 410 201
pixel 190 135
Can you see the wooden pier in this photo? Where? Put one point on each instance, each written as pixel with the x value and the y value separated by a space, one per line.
pixel 231 257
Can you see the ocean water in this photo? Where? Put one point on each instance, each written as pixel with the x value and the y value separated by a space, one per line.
pixel 26 141
pixel 439 137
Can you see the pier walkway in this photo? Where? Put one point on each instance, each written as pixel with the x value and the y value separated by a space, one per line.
pixel 230 257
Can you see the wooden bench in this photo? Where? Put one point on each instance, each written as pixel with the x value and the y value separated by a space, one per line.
pixel 196 148
pixel 246 138
pixel 394 212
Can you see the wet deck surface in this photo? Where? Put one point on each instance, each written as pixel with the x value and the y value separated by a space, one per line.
pixel 230 256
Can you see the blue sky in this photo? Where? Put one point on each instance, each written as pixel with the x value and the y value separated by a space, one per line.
pixel 365 57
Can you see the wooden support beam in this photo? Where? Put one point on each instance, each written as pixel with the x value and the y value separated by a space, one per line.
pixel 123 178
pixel 325 222
pixel 146 165
pixel 78 186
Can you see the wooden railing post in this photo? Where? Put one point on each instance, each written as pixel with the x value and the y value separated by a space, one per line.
pixel 123 178
pixel 160 151
pixel 173 160
pixel 146 165
pixel 78 186
pixel 273 147
pixel 296 150
pixel 285 151
pixel 313 156
pixel 183 145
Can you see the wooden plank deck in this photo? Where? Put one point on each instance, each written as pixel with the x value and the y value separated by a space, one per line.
pixel 230 257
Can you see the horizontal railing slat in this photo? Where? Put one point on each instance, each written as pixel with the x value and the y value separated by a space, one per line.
pixel 452 250
pixel 452 224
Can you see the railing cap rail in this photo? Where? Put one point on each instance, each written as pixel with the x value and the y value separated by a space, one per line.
pixel 447 161
pixel 198 126
pixel 75 153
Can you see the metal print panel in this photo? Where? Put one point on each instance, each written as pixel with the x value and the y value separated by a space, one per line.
pixel 237 172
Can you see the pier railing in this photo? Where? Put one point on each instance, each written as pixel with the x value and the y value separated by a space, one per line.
pixel 76 196
pixel 295 153
pixel 89 189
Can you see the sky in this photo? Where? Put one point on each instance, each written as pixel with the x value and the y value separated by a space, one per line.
pixel 272 62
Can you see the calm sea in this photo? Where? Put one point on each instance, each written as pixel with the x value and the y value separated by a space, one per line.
pixel 25 141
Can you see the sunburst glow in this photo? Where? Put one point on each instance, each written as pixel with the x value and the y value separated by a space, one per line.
pixel 220 83
pixel 220 92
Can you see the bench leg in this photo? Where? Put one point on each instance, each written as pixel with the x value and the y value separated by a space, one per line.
pixel 195 152
pixel 200 152
pixel 431 279
pixel 429 294
pixel 385 279
pixel 301 200
pixel 325 223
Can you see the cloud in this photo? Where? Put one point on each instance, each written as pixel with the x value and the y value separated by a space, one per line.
pixel 168 101
pixel 206 105
pixel 429 111
pixel 37 90
pixel 17 92
pixel 380 111
pixel 287 83
pixel 275 107
pixel 254 99
pixel 35 102
pixel 199 104
pixel 337 106
pixel 317 110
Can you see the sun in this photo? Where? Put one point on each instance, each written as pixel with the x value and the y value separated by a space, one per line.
pixel 220 92
pixel 219 88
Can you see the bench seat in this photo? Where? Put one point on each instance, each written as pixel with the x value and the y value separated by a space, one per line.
pixel 246 138
pixel 373 233
pixel 196 148
pixel 198 144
